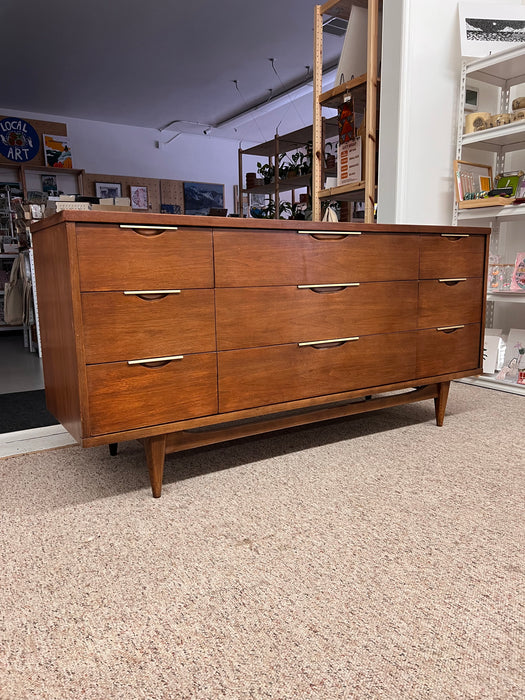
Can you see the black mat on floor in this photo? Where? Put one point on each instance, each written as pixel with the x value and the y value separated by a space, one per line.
pixel 24 410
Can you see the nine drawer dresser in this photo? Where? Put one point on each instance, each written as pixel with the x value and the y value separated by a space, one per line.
pixel 181 331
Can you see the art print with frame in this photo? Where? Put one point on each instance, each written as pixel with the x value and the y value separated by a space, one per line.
pixel 57 151
pixel 200 197
pixel 139 197
pixel 487 28
pixel 108 189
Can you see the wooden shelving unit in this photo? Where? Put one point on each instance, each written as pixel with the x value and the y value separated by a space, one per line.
pixel 278 146
pixel 363 90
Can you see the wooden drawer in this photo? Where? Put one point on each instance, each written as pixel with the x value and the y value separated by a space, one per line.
pixel 114 258
pixel 123 396
pixel 121 326
pixel 441 352
pixel 447 303
pixel 260 258
pixel 271 375
pixel 451 256
pixel 252 317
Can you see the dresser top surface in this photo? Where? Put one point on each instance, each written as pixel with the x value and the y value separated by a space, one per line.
pixel 217 223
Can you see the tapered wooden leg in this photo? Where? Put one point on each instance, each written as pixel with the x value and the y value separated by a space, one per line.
pixel 440 402
pixel 113 448
pixel 155 448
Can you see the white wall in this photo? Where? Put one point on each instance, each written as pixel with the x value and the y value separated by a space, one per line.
pixel 115 149
pixel 420 73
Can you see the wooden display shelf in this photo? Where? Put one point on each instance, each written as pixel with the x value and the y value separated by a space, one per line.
pixel 350 193
pixel 289 183
pixel 356 87
pixel 481 203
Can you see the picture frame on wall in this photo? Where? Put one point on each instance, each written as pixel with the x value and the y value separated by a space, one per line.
pixel 57 151
pixel 49 184
pixel 200 197
pixel 488 27
pixel 108 189
pixel 139 197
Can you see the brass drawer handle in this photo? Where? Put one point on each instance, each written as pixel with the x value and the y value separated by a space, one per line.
pixel 456 235
pixel 326 342
pixel 449 329
pixel 325 286
pixel 453 280
pixel 331 233
pixel 156 228
pixel 155 359
pixel 139 292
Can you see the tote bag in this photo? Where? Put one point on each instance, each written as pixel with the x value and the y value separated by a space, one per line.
pixel 14 296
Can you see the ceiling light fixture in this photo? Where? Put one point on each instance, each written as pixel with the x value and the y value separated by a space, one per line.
pixel 273 103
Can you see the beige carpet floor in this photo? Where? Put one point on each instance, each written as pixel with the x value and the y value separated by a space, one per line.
pixel 373 557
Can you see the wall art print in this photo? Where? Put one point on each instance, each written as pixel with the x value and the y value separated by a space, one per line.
pixel 200 197
pixel 57 151
pixel 19 141
pixel 108 189
pixel 490 27
pixel 139 197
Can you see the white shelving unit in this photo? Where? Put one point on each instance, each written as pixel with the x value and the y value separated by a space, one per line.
pixel 499 147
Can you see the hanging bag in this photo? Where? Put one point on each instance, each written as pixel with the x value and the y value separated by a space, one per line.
pixel 14 296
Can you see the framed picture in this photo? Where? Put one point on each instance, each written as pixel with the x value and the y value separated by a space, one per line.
pixel 490 27
pixel 139 197
pixel 471 99
pixel 108 189
pixel 200 197
pixel 57 151
pixel 49 184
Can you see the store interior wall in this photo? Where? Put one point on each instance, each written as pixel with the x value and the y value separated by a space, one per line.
pixel 100 147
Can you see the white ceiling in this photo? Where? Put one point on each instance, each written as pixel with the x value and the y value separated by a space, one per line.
pixel 159 62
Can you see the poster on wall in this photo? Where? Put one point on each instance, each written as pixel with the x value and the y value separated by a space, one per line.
pixel 57 151
pixel 487 28
pixel 139 197
pixel 19 141
pixel 200 197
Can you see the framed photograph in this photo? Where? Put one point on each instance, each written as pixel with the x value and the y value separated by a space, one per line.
pixel 57 151
pixel 200 197
pixel 471 99
pixel 471 178
pixel 139 197
pixel 490 27
pixel 49 184
pixel 108 189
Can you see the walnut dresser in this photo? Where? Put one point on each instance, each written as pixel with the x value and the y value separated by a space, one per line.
pixel 181 331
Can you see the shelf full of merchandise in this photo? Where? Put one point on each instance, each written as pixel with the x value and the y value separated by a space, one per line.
pixel 503 72
pixel 294 142
pixel 364 92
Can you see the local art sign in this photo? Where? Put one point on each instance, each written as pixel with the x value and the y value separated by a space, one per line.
pixel 19 141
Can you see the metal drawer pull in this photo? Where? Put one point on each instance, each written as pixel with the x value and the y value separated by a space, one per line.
pixel 161 228
pixel 322 286
pixel 455 235
pixel 155 359
pixel 453 279
pixel 138 292
pixel 449 328
pixel 325 342
pixel 313 232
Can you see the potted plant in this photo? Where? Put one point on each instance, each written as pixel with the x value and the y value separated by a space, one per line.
pixel 266 171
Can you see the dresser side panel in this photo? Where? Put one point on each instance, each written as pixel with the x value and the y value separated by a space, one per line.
pixel 55 261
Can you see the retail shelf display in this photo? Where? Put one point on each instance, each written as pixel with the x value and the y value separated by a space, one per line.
pixel 500 81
